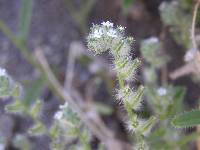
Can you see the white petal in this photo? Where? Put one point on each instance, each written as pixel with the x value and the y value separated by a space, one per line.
pixel 107 24
pixel 2 72
pixel 161 91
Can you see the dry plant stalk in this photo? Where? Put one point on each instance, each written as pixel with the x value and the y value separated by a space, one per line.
pixel 93 122
pixel 193 66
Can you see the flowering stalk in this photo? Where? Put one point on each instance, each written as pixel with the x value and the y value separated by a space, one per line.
pixel 107 37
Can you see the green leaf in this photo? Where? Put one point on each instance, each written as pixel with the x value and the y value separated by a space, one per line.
pixel 127 3
pixel 16 107
pixel 186 139
pixel 25 18
pixel 35 109
pixel 8 87
pixel 103 109
pixel 4 86
pixel 33 91
pixel 126 6
pixel 71 116
pixel 150 49
pixel 38 129
pixel 148 125
pixel 16 91
pixel 154 137
pixel 22 142
pixel 137 97
pixel 54 131
pixel 187 119
pixel 178 100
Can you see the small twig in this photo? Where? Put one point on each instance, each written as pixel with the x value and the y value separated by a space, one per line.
pixel 74 103
pixel 164 75
pixel 193 65
pixel 69 69
pixel 90 117
pixel 17 42
pixel 184 70
pixel 197 58
pixel 193 25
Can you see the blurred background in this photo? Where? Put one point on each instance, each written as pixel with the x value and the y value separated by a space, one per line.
pixel 60 28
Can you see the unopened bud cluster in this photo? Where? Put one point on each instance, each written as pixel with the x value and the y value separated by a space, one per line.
pixel 105 36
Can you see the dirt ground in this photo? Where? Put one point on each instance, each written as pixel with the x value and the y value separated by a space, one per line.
pixel 54 28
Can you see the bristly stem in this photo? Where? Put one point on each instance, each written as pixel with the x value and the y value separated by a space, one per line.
pixel 106 37
pixel 121 81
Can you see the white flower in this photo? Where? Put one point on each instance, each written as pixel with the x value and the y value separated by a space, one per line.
pixel 107 24
pixel 161 91
pixel 112 33
pixel 107 37
pixel 63 106
pixel 121 28
pixel 97 33
pixel 58 115
pixel 2 72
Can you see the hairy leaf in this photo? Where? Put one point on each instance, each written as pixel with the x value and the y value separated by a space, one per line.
pixel 187 119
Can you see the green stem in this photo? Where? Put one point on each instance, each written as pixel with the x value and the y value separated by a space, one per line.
pixel 27 54
pixel 18 43
pixel 121 81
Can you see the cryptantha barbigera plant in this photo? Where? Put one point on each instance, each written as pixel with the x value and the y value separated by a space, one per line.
pixel 105 37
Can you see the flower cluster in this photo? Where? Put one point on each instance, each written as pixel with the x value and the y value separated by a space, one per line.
pixel 106 36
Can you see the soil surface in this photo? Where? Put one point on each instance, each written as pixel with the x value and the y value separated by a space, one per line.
pixel 54 28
